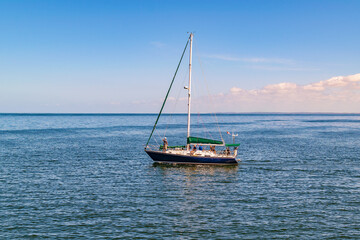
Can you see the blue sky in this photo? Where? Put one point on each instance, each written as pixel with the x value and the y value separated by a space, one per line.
pixel 119 56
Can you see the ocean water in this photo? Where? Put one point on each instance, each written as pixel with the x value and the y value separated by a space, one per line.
pixel 87 177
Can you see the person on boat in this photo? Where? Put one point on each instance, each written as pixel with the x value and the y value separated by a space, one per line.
pixel 193 150
pixel 212 149
pixel 235 150
pixel 228 151
pixel 165 144
pixel 200 148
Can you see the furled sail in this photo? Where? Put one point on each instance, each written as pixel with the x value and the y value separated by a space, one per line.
pixel 232 144
pixel 196 140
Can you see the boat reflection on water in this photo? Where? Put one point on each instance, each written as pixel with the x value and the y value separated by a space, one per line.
pixel 197 169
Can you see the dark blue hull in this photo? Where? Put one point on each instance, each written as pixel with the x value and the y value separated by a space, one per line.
pixel 172 158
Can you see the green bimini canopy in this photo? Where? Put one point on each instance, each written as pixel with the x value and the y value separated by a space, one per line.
pixel 196 140
pixel 232 144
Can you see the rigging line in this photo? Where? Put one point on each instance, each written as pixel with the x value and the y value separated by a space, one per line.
pixel 157 141
pixel 200 122
pixel 204 127
pixel 171 114
pixel 167 94
pixel 176 102
pixel 153 146
pixel 207 88
pixel 157 132
pixel 199 118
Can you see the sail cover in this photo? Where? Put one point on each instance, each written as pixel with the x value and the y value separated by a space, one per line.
pixel 232 144
pixel 196 140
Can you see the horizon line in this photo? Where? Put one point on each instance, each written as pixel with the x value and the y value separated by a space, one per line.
pixel 139 113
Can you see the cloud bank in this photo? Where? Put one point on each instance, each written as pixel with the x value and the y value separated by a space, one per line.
pixel 337 94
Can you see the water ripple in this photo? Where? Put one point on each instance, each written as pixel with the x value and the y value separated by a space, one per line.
pixel 87 177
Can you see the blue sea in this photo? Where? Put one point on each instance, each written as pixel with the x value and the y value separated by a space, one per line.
pixel 86 176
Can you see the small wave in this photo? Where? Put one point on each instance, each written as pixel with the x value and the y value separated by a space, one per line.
pixel 333 121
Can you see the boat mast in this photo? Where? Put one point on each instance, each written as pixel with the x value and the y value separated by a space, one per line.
pixel 189 91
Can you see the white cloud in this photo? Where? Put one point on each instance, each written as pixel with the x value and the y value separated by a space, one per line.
pixel 236 90
pixel 262 63
pixel 223 57
pixel 158 44
pixel 337 94
pixel 268 60
pixel 252 59
pixel 281 68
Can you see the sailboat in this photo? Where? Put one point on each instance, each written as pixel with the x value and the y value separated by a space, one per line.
pixel 197 150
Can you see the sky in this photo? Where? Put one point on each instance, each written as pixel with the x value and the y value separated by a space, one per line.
pixel 120 56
